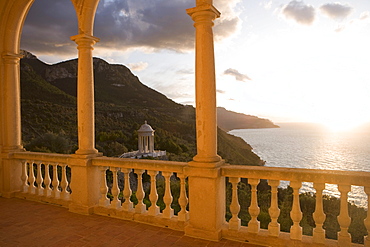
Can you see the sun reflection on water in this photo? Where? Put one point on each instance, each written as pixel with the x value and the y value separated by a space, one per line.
pixel 313 146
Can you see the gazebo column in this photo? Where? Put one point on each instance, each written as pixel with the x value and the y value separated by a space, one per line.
pixel 85 94
pixel 11 125
pixel 206 186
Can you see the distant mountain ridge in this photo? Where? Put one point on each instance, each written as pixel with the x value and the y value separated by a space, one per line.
pixel 229 120
pixel 122 103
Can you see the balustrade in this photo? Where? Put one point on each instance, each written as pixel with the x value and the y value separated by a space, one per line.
pixel 153 181
pixel 42 184
pixel 274 176
pixel 146 178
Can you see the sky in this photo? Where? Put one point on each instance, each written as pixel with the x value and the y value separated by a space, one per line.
pixel 285 60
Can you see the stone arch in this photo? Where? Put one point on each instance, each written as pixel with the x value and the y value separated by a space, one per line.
pixel 85 11
pixel 12 17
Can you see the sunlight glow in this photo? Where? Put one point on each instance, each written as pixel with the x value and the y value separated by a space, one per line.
pixel 341 126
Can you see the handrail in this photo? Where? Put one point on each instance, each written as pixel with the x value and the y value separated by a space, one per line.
pixel 153 165
pixel 49 157
pixel 298 174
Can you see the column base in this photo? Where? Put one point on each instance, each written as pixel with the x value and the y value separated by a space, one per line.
pixel 87 152
pixel 81 209
pixel 201 159
pixel 203 234
pixel 207 163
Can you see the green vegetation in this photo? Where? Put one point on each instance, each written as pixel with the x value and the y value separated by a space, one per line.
pixel 123 103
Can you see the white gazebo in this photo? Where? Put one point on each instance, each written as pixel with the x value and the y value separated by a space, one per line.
pixel 145 145
pixel 146 139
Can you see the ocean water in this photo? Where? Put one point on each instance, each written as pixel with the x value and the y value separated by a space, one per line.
pixel 312 146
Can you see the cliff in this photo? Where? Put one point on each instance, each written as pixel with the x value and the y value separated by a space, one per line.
pixel 123 103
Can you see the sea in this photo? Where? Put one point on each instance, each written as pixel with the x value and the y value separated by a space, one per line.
pixel 313 146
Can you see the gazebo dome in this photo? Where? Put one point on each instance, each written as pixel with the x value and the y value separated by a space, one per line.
pixel 146 129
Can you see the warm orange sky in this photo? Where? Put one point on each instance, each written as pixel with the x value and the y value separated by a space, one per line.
pixel 284 60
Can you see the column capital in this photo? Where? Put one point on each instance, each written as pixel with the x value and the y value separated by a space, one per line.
pixel 203 10
pixel 85 40
pixel 11 58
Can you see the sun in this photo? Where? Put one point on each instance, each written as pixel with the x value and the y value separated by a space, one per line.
pixel 341 125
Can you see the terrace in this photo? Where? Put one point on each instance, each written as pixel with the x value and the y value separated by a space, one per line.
pixel 144 191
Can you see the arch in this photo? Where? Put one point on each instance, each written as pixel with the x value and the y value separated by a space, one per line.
pixel 12 17
pixel 85 10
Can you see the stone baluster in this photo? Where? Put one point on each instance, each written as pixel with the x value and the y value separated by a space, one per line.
pixel 31 179
pixel 55 193
pixel 318 215
pixel 234 222
pixel 64 183
pixel 24 177
pixel 104 200
pixel 127 204
pixel 344 238
pixel 274 211
pixel 254 210
pixel 367 220
pixel 47 181
pixel 167 198
pixel 183 215
pixel 39 180
pixel 140 206
pixel 296 214
pixel 153 196
pixel 116 202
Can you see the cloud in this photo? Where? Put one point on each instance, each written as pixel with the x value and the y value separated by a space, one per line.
pixel 336 10
pixel 340 28
pixel 155 24
pixel 365 16
pixel 300 12
pixel 238 76
pixel 267 5
pixel 137 66
pixel 185 72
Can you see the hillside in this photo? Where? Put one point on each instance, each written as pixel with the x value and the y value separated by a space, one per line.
pixel 123 103
pixel 228 120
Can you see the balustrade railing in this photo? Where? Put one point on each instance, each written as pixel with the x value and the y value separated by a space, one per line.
pixel 45 177
pixel 273 176
pixel 134 189
pixel 156 192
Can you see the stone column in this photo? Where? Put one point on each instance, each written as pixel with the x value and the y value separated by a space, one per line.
pixel 205 82
pixel 85 94
pixel 10 170
pixel 206 185
pixel 11 98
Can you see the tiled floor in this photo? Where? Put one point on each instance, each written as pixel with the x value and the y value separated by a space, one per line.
pixel 26 223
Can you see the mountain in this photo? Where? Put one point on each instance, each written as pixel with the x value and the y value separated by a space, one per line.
pixel 229 120
pixel 122 104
